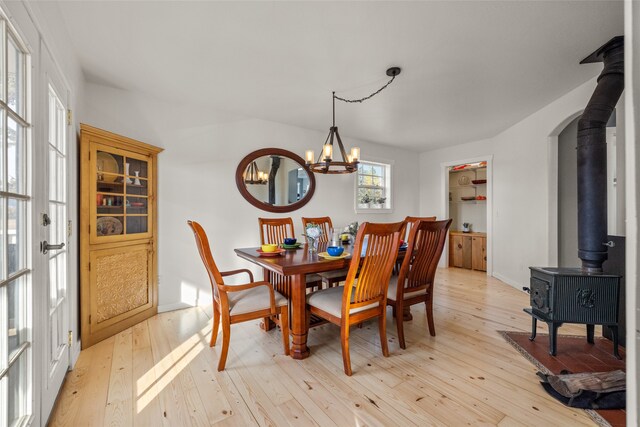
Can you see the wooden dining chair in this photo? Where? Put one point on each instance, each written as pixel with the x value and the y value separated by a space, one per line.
pixel 364 298
pixel 325 224
pixel 274 231
pixel 409 221
pixel 416 278
pixel 329 278
pixel 239 303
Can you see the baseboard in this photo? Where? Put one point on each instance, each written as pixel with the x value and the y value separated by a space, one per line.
pixel 74 353
pixel 174 306
pixel 508 281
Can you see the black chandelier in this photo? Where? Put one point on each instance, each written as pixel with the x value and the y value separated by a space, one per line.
pixel 326 163
pixel 253 175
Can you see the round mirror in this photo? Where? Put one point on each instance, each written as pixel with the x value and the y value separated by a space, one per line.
pixel 275 180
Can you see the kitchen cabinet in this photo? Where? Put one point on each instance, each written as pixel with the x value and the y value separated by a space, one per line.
pixel 468 250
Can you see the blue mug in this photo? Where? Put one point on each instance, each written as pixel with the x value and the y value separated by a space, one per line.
pixel 290 241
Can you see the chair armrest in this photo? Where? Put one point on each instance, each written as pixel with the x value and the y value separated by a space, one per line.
pixel 238 288
pixel 242 270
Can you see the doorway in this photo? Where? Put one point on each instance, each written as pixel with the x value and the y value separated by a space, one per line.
pixel 467 200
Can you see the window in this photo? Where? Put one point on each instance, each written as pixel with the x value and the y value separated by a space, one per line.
pixel 15 274
pixel 373 186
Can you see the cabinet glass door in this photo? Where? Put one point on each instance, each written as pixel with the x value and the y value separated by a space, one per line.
pixel 121 194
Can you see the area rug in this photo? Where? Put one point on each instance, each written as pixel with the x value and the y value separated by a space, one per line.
pixel 574 354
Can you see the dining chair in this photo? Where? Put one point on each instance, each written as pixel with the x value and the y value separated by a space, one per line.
pixel 409 221
pixel 239 303
pixel 424 248
pixel 329 278
pixel 274 231
pixel 365 297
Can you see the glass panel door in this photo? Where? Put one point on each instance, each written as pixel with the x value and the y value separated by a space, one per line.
pixel 55 355
pixel 15 235
pixel 122 195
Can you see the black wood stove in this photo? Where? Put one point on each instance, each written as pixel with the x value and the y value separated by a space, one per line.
pixel 586 295
pixel 568 295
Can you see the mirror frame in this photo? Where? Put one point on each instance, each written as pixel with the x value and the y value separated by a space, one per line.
pixel 244 163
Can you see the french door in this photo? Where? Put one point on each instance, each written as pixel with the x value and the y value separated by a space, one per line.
pixel 16 336
pixel 54 235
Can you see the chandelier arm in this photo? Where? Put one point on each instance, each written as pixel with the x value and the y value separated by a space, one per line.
pixel 344 154
pixel 361 99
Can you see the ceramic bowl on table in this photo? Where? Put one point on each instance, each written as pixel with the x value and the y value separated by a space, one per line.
pixel 290 241
pixel 335 250
pixel 269 248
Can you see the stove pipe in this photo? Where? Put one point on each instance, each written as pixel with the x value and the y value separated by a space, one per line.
pixel 592 155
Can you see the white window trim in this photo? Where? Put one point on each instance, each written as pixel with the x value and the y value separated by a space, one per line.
pixel 389 184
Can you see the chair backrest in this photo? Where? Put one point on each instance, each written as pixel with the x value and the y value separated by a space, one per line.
pixel 409 222
pixel 324 222
pixel 205 253
pixel 374 254
pixel 425 245
pixel 274 230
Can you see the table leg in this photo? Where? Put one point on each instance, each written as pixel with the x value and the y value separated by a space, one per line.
pixel 299 326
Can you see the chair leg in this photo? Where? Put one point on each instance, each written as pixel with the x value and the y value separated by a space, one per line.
pixel 284 327
pixel 226 332
pixel 400 324
pixel 429 305
pixel 346 357
pixel 382 324
pixel 216 325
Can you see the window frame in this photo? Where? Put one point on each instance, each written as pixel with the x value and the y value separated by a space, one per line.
pixel 388 186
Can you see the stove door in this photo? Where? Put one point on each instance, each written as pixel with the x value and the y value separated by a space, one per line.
pixel 540 295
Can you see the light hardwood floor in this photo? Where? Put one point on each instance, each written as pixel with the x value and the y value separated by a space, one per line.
pixel 162 371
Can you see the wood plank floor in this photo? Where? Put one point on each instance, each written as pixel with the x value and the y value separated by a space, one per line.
pixel 162 371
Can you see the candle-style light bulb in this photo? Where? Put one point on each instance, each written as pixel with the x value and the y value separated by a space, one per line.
pixel 355 154
pixel 328 152
pixel 349 158
pixel 309 155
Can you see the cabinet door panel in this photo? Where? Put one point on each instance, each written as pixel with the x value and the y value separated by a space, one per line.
pixel 479 258
pixel 466 252
pixel 456 258
pixel 121 286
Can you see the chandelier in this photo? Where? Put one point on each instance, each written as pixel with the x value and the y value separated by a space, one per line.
pixel 253 175
pixel 326 163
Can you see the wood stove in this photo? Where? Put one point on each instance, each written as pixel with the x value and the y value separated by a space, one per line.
pixel 586 295
pixel 568 295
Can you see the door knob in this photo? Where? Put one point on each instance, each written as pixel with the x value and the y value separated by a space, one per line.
pixel 45 247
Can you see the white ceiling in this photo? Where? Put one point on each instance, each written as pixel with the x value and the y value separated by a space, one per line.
pixel 470 69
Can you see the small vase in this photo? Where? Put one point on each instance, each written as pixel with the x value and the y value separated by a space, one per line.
pixel 127 180
pixel 312 245
pixel 137 180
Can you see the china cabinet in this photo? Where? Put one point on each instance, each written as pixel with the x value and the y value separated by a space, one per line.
pixel 118 233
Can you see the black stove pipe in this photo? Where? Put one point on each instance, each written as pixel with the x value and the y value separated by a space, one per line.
pixel 592 155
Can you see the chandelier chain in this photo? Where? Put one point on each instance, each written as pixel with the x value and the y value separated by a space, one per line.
pixel 366 97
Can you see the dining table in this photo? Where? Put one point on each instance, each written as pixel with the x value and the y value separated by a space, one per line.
pixel 287 273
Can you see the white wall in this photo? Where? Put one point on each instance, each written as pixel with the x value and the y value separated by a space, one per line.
pixel 197 181
pixel 520 185
pixel 568 196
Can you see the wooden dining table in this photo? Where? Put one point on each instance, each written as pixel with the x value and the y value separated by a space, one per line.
pixel 287 273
